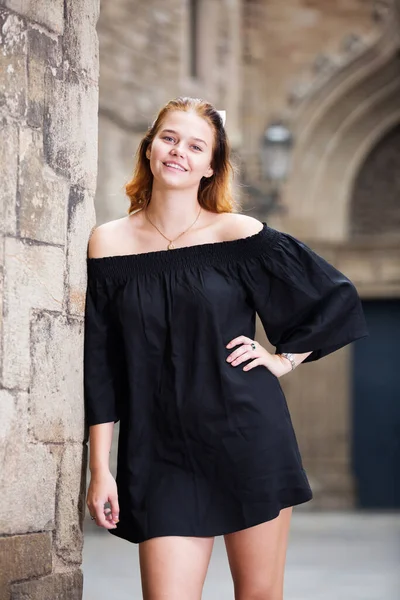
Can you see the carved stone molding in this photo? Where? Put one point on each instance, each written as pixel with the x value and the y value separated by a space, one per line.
pixel 336 126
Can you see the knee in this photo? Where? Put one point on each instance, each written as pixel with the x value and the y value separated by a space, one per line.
pixel 259 592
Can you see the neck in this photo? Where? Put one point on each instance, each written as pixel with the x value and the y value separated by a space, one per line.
pixel 173 210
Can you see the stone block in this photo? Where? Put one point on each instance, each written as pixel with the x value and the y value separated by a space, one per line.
pixel 81 219
pixel 58 586
pixel 23 557
pixel 43 193
pixel 48 14
pixel 35 279
pixel 28 478
pixel 81 48
pixel 56 378
pixel 1 308
pixel 13 422
pixel 8 175
pixel 70 129
pixel 43 53
pixel 13 64
pixel 70 506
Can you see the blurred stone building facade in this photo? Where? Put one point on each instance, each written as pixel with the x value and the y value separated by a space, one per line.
pixel 331 72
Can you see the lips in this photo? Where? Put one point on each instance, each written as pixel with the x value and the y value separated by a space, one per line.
pixel 178 167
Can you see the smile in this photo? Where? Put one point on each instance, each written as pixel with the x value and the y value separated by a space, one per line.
pixel 174 166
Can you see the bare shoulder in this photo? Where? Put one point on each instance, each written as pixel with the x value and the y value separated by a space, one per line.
pixel 236 225
pixel 104 238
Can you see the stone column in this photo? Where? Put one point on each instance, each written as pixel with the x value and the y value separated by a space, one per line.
pixel 48 168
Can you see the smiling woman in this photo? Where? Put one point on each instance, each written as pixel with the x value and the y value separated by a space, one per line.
pixel 191 135
pixel 206 444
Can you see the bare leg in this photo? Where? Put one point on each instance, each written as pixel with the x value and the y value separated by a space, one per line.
pixel 257 558
pixel 174 567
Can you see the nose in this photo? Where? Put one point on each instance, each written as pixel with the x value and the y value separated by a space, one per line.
pixel 178 150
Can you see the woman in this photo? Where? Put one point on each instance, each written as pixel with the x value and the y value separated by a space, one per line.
pixel 206 444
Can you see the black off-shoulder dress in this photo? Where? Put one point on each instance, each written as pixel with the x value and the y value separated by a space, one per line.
pixel 206 448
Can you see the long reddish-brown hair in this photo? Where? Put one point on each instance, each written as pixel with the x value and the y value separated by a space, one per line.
pixel 215 192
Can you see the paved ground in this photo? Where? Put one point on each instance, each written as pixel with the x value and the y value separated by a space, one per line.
pixel 331 556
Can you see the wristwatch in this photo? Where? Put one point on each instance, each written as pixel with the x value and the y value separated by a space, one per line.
pixel 290 357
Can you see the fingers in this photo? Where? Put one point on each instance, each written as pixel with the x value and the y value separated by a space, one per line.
pixel 254 363
pixel 114 512
pixel 240 355
pixel 102 515
pixel 101 518
pixel 242 339
pixel 245 352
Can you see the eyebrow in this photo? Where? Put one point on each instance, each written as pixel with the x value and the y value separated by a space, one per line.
pixel 176 133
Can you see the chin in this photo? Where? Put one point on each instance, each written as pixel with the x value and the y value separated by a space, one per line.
pixel 171 182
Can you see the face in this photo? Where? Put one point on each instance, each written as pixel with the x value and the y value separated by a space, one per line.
pixel 181 152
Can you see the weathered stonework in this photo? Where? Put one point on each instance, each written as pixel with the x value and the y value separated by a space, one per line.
pixel 40 216
pixel 44 53
pixel 23 557
pixel 13 85
pixel 63 586
pixel 28 480
pixel 53 417
pixel 48 167
pixel 80 212
pixel 69 507
pixel 8 173
pixel 48 15
pixel 30 284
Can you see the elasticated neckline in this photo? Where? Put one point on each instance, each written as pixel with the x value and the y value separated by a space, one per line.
pixel 123 266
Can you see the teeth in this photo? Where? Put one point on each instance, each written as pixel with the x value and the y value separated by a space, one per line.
pixel 174 166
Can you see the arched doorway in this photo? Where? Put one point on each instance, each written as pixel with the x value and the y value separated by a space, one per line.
pixel 375 216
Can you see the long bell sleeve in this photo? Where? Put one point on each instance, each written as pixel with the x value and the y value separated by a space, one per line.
pixel 104 372
pixel 304 303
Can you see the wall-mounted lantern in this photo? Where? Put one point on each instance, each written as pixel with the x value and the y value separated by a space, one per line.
pixel 275 157
pixel 276 153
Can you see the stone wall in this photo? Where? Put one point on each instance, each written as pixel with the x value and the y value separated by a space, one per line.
pixel 48 162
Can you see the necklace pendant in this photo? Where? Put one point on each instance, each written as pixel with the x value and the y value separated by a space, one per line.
pixel 171 246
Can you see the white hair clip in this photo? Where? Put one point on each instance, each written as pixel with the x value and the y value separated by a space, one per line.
pixel 222 114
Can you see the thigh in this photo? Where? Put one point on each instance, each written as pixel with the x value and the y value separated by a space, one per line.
pixel 174 567
pixel 257 558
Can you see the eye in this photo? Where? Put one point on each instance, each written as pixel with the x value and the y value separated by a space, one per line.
pixel 198 148
pixel 168 137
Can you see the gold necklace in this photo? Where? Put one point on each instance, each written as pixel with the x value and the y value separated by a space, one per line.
pixel 171 242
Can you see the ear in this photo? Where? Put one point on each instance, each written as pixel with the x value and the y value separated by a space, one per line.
pixel 148 152
pixel 209 172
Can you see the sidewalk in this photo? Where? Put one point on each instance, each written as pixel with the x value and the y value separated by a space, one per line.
pixel 331 556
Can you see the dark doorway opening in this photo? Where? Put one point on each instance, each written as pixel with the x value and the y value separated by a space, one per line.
pixel 376 408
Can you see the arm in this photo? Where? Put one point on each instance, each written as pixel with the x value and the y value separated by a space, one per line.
pixel 100 438
pixel 304 302
pixel 102 486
